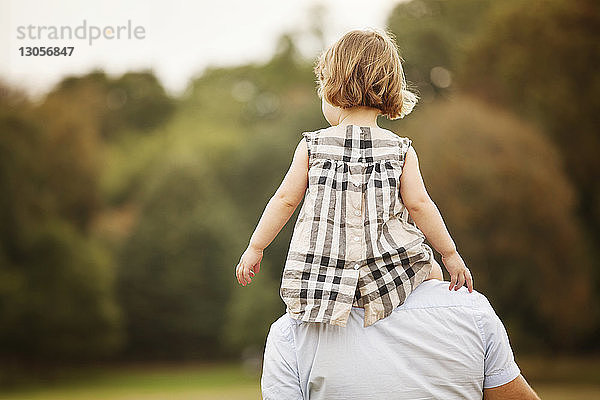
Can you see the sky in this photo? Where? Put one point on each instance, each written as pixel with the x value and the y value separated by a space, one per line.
pixel 175 39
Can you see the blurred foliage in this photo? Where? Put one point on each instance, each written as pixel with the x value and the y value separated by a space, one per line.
pixel 535 59
pixel 171 280
pixel 251 313
pixel 199 202
pixel 510 208
pixel 125 211
pixel 134 101
pixel 432 36
pixel 532 58
pixel 56 281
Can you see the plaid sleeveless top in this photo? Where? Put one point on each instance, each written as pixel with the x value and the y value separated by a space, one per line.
pixel 354 242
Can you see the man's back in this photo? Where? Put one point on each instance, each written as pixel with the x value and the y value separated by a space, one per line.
pixel 439 344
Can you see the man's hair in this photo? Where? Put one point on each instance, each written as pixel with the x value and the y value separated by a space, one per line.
pixel 364 68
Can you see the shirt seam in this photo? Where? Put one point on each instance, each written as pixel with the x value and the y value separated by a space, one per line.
pixel 510 370
pixel 402 308
pixel 287 335
pixel 291 340
pixel 479 323
pixel 502 370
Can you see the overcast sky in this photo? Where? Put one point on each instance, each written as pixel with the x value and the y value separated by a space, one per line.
pixel 180 38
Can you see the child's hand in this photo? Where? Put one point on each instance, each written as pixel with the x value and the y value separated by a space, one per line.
pixel 249 265
pixel 459 273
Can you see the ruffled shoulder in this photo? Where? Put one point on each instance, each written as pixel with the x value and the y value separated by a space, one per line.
pixel 405 144
pixel 311 141
pixel 309 135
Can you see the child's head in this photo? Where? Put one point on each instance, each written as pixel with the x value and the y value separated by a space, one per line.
pixel 364 69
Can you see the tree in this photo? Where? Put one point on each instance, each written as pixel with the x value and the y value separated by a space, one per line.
pixel 135 101
pixel 538 59
pixel 431 36
pixel 173 281
pixel 56 282
pixel 507 202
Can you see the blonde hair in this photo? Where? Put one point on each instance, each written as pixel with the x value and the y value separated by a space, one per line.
pixel 364 68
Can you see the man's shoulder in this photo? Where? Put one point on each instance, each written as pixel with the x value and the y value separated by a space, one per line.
pixel 435 293
pixel 282 328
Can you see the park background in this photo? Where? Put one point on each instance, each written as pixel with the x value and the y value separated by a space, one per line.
pixel 125 207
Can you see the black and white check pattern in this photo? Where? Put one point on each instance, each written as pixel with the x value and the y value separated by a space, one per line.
pixel 354 242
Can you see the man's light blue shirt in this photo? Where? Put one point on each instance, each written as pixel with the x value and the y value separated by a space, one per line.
pixel 439 344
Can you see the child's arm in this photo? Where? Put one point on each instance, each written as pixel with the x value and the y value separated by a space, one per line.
pixel 278 211
pixel 429 220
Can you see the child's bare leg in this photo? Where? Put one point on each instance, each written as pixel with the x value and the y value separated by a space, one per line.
pixel 436 272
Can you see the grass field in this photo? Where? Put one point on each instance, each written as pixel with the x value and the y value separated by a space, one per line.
pixel 200 381
pixel 569 379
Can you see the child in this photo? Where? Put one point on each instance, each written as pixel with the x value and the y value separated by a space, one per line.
pixel 356 240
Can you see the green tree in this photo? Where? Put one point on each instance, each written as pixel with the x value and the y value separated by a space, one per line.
pixel 538 59
pixel 432 35
pixel 226 150
pixel 507 202
pixel 135 101
pixel 250 313
pixel 56 281
pixel 173 281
